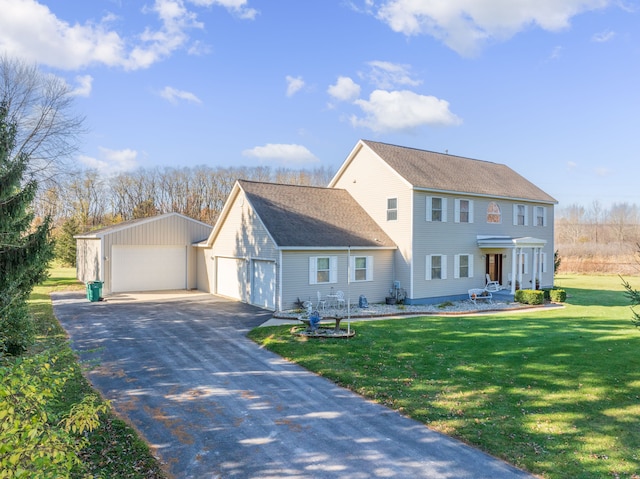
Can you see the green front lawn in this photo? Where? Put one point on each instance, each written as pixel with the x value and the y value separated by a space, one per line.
pixel 555 392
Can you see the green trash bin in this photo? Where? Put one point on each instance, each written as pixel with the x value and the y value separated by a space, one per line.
pixel 94 290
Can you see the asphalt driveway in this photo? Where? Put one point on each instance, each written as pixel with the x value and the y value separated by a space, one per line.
pixel 211 403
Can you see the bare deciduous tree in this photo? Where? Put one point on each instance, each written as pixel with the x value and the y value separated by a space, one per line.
pixel 41 105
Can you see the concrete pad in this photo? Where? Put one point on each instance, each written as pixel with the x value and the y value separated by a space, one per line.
pixel 213 404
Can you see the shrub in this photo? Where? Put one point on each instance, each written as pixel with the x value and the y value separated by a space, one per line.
pixel 529 296
pixel 36 442
pixel 558 295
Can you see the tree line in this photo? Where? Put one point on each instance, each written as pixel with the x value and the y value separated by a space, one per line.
pixel 596 239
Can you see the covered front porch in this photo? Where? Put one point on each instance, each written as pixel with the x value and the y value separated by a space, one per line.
pixel 519 248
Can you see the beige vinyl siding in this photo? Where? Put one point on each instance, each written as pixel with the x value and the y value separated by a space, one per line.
pixel 242 235
pixel 367 169
pixel 172 230
pixel 296 280
pixel 204 270
pixel 89 262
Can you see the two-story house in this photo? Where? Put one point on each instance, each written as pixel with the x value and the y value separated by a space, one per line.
pixel 455 220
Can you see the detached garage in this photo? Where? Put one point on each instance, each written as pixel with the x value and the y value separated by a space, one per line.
pixel 149 254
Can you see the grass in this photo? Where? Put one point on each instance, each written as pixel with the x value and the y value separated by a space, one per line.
pixel 114 449
pixel 555 392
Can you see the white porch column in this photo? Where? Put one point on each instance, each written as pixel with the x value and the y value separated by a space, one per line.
pixel 513 270
pixel 534 268
pixel 520 258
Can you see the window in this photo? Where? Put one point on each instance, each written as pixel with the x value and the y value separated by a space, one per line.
pixel 541 216
pixel 520 215
pixel 323 269
pixel 392 209
pixel 436 209
pixel 362 268
pixel 436 267
pixel 494 215
pixel 463 267
pixel 542 258
pixel 464 211
pixel 524 263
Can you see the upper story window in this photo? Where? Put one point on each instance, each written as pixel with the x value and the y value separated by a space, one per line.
pixel 392 209
pixel 362 268
pixel 323 269
pixel 464 211
pixel 436 267
pixel 436 209
pixel 541 216
pixel 494 215
pixel 520 215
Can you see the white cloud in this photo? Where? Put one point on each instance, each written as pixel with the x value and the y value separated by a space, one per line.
pixel 112 162
pixel 282 153
pixel 466 25
pixel 604 36
pixel 173 95
pixel 85 83
pixel 603 171
pixel 294 85
pixel 31 31
pixel 345 89
pixel 238 7
pixel 387 75
pixel 403 111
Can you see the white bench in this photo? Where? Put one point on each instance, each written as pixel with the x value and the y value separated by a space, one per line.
pixel 479 293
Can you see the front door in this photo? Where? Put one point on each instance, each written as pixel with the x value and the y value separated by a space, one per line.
pixel 494 267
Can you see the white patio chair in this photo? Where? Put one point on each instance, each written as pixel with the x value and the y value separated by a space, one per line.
pixel 340 301
pixel 321 302
pixel 492 285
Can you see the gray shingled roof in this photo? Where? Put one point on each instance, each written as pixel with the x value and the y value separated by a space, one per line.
pixel 442 172
pixel 305 216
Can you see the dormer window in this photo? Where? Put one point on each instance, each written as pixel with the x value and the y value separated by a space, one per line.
pixel 392 209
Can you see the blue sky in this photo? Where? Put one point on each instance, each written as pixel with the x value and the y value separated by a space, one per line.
pixel 549 87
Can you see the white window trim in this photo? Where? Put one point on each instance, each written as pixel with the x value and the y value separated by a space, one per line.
pixel 368 273
pixel 544 215
pixel 515 215
pixel 443 266
pixel 456 266
pixel 430 208
pixel 313 269
pixel 525 260
pixel 457 210
pixel 392 209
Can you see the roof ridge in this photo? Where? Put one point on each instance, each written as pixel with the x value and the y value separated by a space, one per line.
pixel 433 152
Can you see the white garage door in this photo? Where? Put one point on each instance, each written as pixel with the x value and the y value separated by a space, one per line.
pixel 148 268
pixel 263 286
pixel 230 277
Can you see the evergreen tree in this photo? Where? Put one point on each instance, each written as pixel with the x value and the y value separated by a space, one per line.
pixel 65 243
pixel 25 249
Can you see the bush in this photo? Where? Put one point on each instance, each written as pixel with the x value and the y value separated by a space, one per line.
pixel 558 295
pixel 36 442
pixel 529 296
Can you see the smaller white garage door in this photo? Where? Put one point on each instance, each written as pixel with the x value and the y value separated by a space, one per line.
pixel 230 277
pixel 263 286
pixel 148 268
